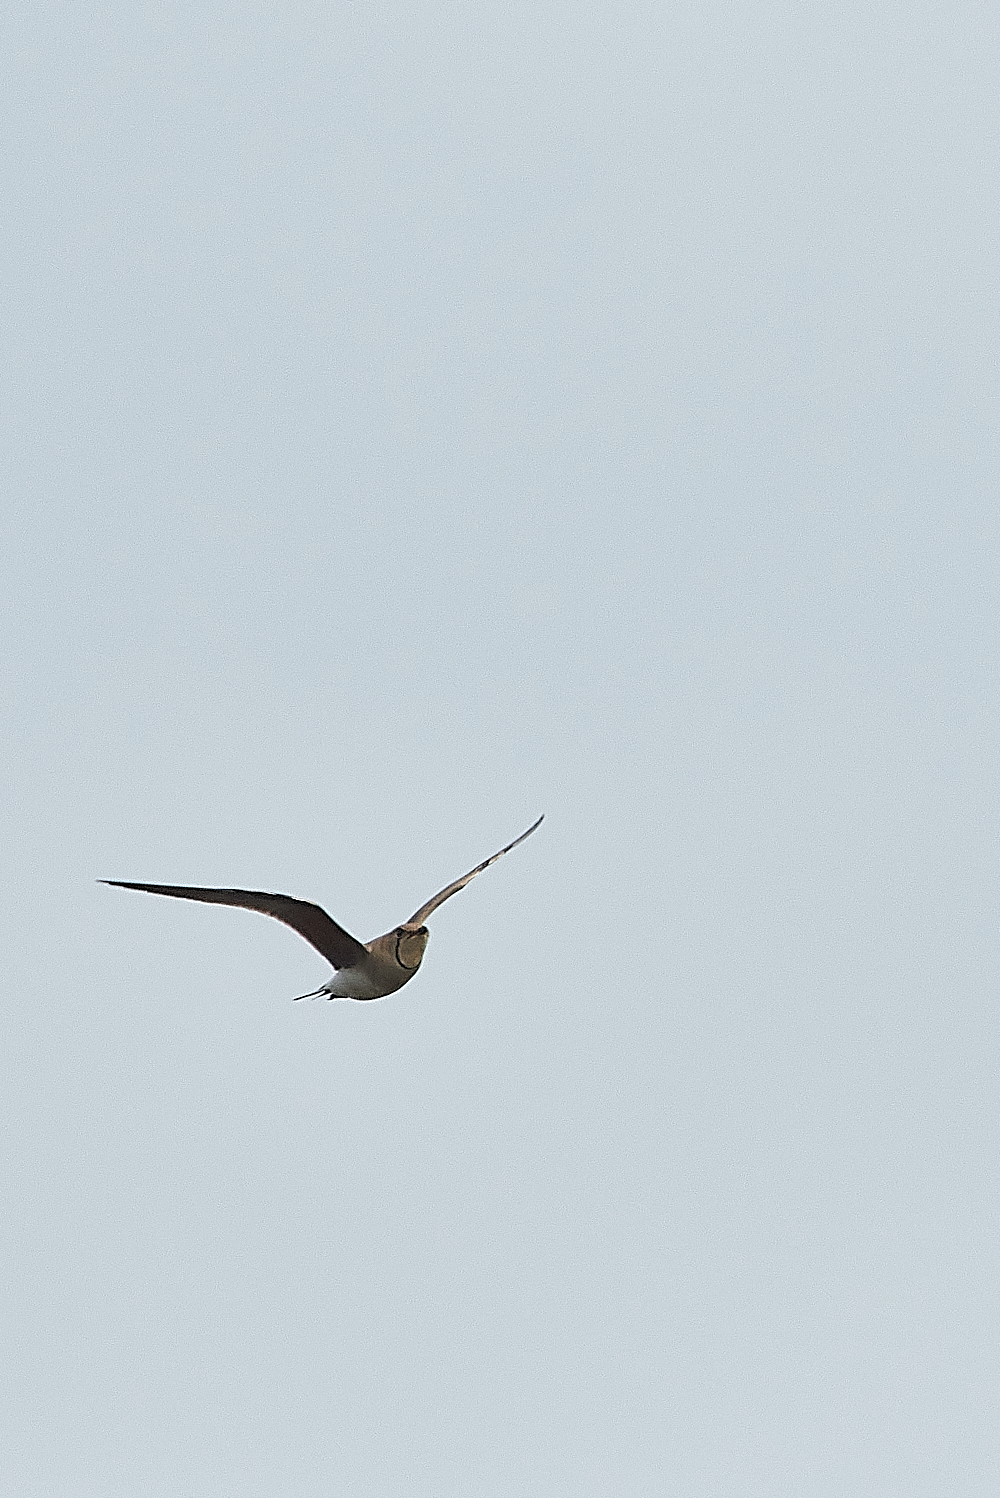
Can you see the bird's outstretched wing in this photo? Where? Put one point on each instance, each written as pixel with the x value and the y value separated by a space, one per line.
pixel 336 945
pixel 419 916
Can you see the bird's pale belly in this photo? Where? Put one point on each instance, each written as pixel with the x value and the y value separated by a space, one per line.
pixel 373 979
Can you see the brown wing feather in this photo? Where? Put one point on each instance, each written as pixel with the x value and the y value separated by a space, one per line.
pixel 419 916
pixel 336 945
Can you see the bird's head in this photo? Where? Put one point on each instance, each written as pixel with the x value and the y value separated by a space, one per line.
pixel 411 943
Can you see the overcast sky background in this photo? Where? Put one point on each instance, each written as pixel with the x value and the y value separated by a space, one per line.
pixel 419 417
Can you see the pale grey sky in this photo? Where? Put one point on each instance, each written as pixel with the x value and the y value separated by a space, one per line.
pixel 419 417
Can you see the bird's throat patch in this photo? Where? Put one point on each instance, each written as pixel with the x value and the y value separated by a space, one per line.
pixel 409 950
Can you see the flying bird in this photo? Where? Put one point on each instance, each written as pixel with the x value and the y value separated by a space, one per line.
pixel 364 970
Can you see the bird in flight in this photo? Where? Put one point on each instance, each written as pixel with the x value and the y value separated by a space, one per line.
pixel 364 970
